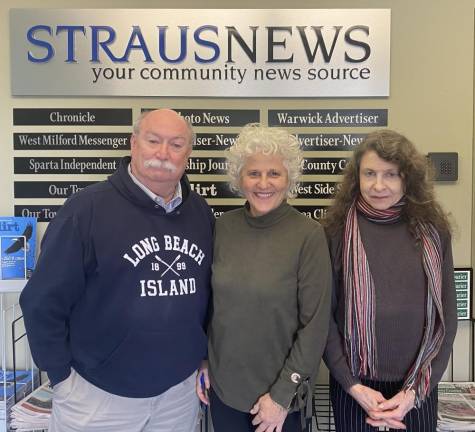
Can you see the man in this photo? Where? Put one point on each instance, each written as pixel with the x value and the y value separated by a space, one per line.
pixel 115 308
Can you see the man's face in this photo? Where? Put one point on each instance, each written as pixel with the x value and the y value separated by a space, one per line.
pixel 161 149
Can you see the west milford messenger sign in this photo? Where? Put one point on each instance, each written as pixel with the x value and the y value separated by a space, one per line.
pixel 200 52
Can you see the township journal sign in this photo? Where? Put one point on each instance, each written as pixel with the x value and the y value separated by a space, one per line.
pixel 200 52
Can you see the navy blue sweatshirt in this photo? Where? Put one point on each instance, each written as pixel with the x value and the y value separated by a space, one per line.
pixel 121 288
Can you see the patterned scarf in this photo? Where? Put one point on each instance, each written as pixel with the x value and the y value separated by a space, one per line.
pixel 360 304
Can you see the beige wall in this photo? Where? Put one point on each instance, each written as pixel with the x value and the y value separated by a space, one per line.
pixel 432 45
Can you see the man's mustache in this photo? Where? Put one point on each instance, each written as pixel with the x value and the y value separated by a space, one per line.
pixel 155 163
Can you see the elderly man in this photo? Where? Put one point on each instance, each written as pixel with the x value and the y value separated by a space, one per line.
pixel 115 308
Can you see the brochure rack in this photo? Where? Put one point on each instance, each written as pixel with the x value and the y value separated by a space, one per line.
pixel 18 375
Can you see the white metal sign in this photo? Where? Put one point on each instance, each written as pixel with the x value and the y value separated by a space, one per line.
pixel 201 52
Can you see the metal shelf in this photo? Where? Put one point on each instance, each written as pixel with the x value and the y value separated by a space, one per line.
pixel 12 286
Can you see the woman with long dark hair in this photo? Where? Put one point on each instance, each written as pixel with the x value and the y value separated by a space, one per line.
pixel 394 308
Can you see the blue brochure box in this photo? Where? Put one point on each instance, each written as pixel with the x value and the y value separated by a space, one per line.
pixel 17 247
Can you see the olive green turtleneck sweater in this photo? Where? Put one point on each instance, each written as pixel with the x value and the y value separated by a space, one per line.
pixel 271 302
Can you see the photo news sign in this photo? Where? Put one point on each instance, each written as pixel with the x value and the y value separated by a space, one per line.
pixel 200 52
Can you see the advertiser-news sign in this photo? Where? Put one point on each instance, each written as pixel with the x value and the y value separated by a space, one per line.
pixel 201 52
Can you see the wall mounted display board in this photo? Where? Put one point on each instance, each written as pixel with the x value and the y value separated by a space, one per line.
pixel 40 178
pixel 191 53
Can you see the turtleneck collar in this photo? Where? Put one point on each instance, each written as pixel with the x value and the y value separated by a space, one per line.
pixel 268 219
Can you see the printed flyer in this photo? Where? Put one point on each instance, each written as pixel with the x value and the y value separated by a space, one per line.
pixel 17 247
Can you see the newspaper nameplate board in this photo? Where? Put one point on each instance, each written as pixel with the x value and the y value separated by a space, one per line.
pixel 201 52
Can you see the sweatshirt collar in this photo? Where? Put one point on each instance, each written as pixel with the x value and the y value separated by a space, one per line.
pixel 122 181
pixel 168 206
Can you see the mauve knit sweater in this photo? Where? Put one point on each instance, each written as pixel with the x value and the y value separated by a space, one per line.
pixel 401 287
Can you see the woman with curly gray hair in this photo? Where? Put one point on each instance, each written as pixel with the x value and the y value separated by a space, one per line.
pixel 271 294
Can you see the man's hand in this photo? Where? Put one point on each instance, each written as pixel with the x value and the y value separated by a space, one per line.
pixel 202 382
pixel 269 415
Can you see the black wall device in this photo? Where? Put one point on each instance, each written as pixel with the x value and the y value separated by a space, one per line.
pixel 445 166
